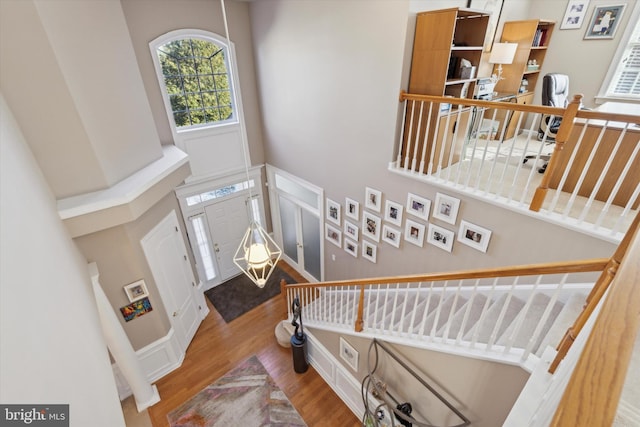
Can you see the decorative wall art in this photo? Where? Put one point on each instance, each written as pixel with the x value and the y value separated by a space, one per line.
pixel 349 354
pixel 351 247
pixel 352 209
pixel 574 15
pixel 473 235
pixel 604 22
pixel 136 290
pixel 369 251
pixel 371 226
pixel 136 309
pixel 393 212
pixel 391 235
pixel 440 237
pixel 373 199
pixel 418 206
pixel 333 235
pixel 351 230
pixel 414 232
pixel 333 212
pixel 446 208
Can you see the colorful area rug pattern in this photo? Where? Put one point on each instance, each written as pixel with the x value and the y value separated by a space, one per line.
pixel 246 396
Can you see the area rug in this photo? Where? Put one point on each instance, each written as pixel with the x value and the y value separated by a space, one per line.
pixel 235 297
pixel 245 396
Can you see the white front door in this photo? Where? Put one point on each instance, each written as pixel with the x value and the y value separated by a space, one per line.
pixel 167 257
pixel 228 221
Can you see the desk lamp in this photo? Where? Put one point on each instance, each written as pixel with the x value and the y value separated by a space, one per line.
pixel 502 53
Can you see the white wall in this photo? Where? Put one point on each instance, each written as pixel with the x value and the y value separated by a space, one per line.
pixel 51 346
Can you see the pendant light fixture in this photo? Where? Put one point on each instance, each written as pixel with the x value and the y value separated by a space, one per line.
pixel 258 253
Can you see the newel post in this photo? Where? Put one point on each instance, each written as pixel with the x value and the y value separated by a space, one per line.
pixel 566 126
pixel 360 319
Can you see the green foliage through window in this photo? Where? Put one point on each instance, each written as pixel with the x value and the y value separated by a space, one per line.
pixel 197 81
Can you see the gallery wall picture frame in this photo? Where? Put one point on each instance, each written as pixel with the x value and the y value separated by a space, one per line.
pixel 393 212
pixel 333 212
pixel 136 290
pixel 446 208
pixel 333 235
pixel 391 235
pixel 418 206
pixel 373 199
pixel 474 236
pixel 604 22
pixel 136 309
pixel 352 209
pixel 414 232
pixel 440 237
pixel 349 354
pixel 351 247
pixel 351 230
pixel 574 15
pixel 369 251
pixel 371 226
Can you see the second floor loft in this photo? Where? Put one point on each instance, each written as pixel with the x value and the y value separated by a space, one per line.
pixel 583 174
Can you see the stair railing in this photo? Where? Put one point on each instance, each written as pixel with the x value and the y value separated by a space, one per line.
pixel 489 150
pixel 382 307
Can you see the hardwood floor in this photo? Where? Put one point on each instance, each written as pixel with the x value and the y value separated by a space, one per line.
pixel 218 347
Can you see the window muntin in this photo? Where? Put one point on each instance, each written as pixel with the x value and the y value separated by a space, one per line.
pixel 219 192
pixel 197 81
pixel 626 80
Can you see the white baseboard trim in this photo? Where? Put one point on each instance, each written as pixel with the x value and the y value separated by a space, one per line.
pixel 157 360
pixel 337 376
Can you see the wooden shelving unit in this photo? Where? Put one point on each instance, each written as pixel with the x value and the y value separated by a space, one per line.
pixel 442 39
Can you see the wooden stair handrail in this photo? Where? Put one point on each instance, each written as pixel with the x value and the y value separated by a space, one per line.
pixel 583 266
pixel 596 294
pixel 593 392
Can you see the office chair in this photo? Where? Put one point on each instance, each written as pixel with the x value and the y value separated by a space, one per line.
pixel 555 93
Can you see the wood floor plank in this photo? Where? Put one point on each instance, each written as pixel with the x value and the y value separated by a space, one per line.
pixel 218 347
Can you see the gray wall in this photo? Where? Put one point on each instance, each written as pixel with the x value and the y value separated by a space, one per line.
pixel 329 77
pixel 483 391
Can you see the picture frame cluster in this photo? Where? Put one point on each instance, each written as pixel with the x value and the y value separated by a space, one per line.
pixel 388 221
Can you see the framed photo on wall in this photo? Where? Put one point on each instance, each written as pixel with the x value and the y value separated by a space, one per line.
pixel 351 247
pixel 352 209
pixel 136 290
pixel 333 235
pixel 371 226
pixel 604 22
pixel 414 232
pixel 474 236
pixel 333 212
pixel 369 251
pixel 373 199
pixel 446 208
pixel 391 235
pixel 393 212
pixel 440 237
pixel 351 230
pixel 418 206
pixel 574 15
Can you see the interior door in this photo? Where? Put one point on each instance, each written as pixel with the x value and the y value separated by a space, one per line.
pixel 300 238
pixel 167 257
pixel 228 220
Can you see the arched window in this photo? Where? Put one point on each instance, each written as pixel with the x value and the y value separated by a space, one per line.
pixel 194 70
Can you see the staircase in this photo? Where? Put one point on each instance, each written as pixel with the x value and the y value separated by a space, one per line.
pixel 511 323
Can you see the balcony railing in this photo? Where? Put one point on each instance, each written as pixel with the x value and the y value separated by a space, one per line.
pixel 587 178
